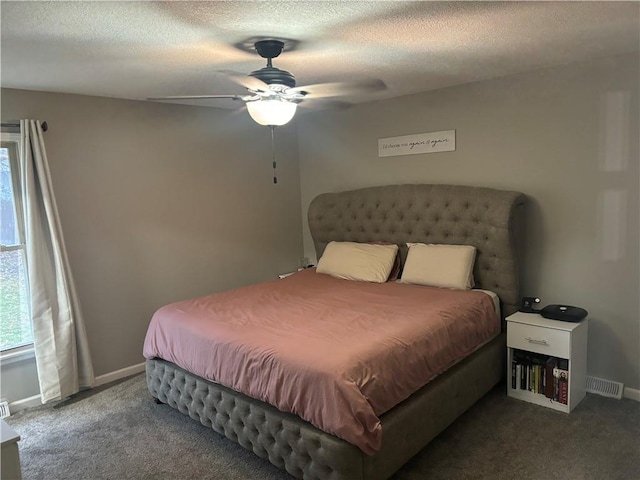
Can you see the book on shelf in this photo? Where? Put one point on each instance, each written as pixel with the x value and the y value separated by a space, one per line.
pixel 563 391
pixel 540 374
pixel 548 375
pixel 561 375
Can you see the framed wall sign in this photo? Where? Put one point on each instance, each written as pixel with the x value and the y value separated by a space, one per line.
pixel 444 141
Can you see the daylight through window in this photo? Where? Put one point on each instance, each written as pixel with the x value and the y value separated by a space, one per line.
pixel 15 318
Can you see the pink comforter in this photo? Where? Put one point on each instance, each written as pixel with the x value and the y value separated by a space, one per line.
pixel 337 353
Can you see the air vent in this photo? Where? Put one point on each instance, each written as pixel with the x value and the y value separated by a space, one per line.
pixel 4 409
pixel 606 388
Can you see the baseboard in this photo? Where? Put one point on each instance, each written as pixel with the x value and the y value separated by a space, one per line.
pixel 631 393
pixel 35 401
pixel 23 404
pixel 118 374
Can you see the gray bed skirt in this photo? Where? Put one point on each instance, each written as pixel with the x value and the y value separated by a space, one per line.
pixel 303 450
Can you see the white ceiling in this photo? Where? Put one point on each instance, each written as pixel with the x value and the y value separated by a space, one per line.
pixel 136 50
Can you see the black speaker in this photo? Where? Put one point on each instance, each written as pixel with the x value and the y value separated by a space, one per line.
pixel 566 313
pixel 528 303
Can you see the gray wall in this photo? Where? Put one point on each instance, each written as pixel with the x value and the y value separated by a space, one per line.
pixel 19 379
pixel 162 202
pixel 567 137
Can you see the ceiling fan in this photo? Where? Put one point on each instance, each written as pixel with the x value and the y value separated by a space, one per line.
pixel 273 97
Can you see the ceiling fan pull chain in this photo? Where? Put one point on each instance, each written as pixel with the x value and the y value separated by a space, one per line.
pixel 273 152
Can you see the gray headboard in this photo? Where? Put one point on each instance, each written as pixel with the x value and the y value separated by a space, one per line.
pixel 486 218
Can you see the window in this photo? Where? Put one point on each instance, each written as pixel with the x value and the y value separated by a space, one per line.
pixel 15 319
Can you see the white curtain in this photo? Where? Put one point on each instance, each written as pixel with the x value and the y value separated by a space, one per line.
pixel 60 341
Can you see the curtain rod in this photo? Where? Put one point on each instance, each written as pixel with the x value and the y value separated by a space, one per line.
pixel 45 127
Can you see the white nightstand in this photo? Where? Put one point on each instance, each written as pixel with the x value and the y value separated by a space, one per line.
pixel 285 275
pixel 288 274
pixel 540 338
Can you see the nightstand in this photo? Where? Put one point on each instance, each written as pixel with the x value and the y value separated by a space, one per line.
pixel 546 360
pixel 285 275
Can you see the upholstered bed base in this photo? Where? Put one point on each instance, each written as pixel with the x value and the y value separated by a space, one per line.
pixel 305 451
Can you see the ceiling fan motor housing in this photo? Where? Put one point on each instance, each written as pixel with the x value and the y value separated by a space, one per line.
pixel 271 75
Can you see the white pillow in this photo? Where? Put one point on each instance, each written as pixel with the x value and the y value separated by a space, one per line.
pixel 447 266
pixel 358 261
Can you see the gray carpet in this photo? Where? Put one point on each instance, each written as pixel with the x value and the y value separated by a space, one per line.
pixel 119 433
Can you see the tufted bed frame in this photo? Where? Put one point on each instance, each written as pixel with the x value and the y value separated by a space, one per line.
pixel 486 218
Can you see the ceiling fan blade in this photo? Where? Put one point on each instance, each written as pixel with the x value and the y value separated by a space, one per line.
pixel 198 97
pixel 252 83
pixel 334 89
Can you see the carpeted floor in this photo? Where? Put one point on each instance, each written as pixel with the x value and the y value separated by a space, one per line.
pixel 119 433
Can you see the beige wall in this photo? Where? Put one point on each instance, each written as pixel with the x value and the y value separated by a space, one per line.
pixel 567 137
pixel 162 202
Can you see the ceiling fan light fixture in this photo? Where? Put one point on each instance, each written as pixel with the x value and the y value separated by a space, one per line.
pixel 271 112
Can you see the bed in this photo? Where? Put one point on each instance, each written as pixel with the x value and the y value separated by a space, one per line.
pixel 438 214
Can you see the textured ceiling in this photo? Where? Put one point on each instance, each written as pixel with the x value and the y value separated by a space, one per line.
pixel 136 50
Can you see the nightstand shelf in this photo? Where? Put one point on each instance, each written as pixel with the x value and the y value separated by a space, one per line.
pixel 541 339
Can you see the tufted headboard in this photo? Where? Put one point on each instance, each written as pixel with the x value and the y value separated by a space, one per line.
pixel 486 218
